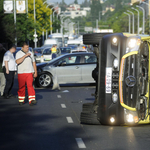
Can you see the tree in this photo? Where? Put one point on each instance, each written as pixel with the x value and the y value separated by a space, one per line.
pixel 85 3
pixel 76 2
pixel 25 24
pixel 96 7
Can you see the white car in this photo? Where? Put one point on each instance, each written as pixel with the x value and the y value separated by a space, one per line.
pixel 45 55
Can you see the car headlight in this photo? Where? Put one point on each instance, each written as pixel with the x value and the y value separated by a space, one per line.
pixel 115 63
pixel 114 97
pixel 130 117
pixel 132 43
pixel 112 119
pixel 114 41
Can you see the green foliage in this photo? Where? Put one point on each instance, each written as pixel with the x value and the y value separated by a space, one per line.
pixel 86 3
pixel 95 8
pixel 25 24
pixel 76 2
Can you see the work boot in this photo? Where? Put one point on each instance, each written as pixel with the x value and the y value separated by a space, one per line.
pixel 21 103
pixel 12 96
pixel 6 96
pixel 33 102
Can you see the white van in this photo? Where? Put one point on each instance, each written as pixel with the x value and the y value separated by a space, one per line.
pixel 50 42
pixel 74 42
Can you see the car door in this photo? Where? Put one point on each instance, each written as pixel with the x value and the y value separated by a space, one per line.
pixel 69 69
pixel 88 65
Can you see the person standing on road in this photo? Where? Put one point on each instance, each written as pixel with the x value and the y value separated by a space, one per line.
pixel 9 69
pixel 26 71
pixel 2 77
pixel 54 50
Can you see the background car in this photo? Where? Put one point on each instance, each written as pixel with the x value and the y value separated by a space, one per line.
pixel 65 50
pixel 45 54
pixel 19 48
pixel 68 68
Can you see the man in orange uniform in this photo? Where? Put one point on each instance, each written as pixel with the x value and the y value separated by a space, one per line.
pixel 26 71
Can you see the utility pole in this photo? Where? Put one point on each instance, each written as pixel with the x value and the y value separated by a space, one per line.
pixel 129 20
pixel 132 21
pixel 97 24
pixel 35 35
pixel 78 27
pixel 15 22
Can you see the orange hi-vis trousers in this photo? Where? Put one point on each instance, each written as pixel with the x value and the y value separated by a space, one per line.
pixel 23 80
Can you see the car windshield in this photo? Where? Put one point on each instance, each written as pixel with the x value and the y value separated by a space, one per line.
pixel 65 49
pixel 37 50
pixel 73 45
pixel 47 51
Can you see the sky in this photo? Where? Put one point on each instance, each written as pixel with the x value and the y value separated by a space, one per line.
pixel 66 1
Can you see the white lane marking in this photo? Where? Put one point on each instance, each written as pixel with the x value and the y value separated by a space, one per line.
pixel 58 96
pixel 69 119
pixel 65 91
pixel 80 143
pixel 63 105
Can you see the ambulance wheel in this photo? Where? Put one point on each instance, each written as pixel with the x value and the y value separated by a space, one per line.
pixel 44 80
pixel 93 39
pixel 87 107
pixel 89 118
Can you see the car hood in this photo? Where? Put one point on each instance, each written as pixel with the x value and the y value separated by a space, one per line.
pixel 41 65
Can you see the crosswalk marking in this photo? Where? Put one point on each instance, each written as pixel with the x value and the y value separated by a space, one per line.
pixel 69 119
pixel 65 91
pixel 80 143
pixel 63 105
pixel 58 96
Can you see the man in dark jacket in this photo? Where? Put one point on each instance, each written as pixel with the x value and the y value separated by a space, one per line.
pixel 2 77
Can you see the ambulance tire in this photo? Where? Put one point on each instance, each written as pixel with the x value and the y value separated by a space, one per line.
pixel 93 39
pixel 87 107
pixel 89 118
pixel 44 80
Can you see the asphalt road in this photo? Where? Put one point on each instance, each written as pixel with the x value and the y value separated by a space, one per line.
pixel 54 124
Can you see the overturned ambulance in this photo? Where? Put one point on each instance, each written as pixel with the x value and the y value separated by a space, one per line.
pixel 122 95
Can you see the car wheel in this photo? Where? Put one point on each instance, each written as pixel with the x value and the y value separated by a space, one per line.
pixel 87 107
pixel 89 118
pixel 94 38
pixel 44 80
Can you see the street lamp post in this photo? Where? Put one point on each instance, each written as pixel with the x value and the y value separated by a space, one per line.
pixel 62 29
pixel 99 15
pixel 132 21
pixel 15 22
pixel 143 18
pixel 51 18
pixel 138 19
pixel 149 16
pixel 54 12
pixel 35 35
pixel 129 20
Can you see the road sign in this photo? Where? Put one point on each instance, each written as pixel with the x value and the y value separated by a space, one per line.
pixel 88 29
pixel 35 35
pixel 35 39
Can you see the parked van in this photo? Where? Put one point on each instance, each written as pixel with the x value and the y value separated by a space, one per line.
pixel 74 42
pixel 50 42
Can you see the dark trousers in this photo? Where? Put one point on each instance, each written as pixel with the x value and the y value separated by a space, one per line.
pixel 9 81
pixel 53 55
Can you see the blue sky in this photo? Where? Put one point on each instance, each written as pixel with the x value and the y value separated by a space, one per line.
pixel 66 1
